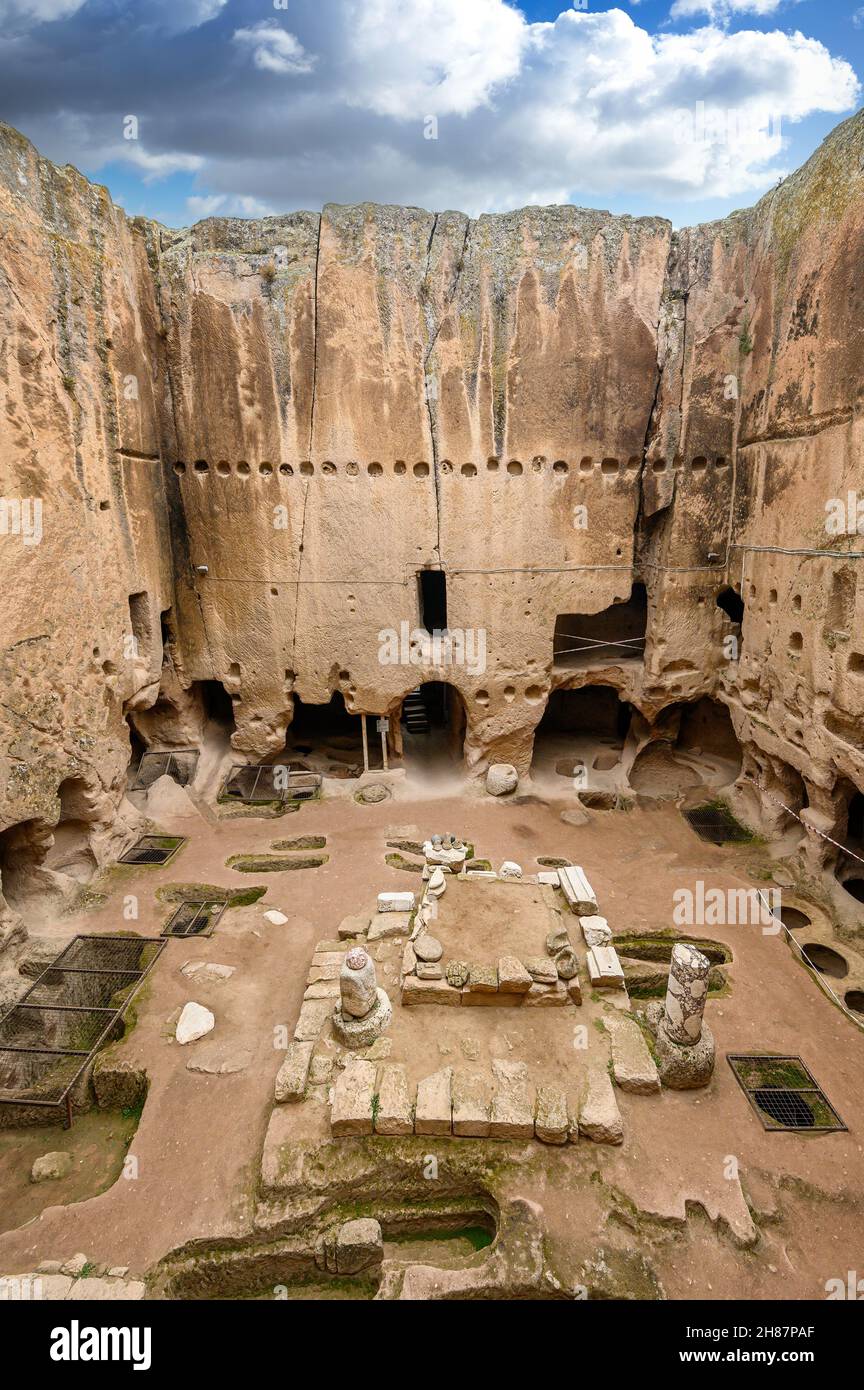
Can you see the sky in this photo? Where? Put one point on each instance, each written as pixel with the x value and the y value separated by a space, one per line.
pixel 190 108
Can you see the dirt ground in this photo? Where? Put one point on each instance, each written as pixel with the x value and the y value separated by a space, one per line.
pixel 200 1136
pixel 484 920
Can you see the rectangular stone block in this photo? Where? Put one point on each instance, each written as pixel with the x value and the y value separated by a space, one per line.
pixel 596 931
pixel 599 1116
pixel 549 877
pixel 351 1111
pixel 314 1013
pixel 545 996
pixel 578 893
pixel 512 1112
pixel 292 1075
pixel 434 1109
pixel 551 1124
pixel 472 1104
pixel 318 973
pixel 482 979
pixel 632 1064
pixel 513 978
pixel 416 991
pixel 604 968
pixel 393 1115
pixel 322 989
pixel 490 1001
pixel 387 924
pixel 395 902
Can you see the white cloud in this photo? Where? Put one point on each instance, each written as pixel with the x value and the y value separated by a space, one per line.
pixel 274 49
pixel 721 10
pixel 37 11
pixel 588 107
pixel 209 205
pixel 431 56
pixel 156 166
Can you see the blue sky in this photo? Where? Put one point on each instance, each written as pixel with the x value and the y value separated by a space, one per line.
pixel 681 108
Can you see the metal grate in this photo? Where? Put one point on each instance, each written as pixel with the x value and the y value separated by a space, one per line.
pixel 715 824
pixel 71 1010
pixel 153 849
pixel 784 1094
pixel 180 763
pixel 194 918
pixel 257 784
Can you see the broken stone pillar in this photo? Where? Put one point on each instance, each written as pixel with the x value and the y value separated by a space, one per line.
pixel 684 1043
pixel 357 983
pixel 686 994
pixel 364 1010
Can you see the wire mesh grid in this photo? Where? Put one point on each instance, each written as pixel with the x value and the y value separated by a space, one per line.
pixel 270 783
pixel 75 1006
pixel 784 1093
pixel 715 824
pixel 180 764
pixel 194 918
pixel 152 849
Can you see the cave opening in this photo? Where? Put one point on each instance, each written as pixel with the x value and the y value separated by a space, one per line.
pixel 433 600
pixel 324 738
pixel 23 848
pixel 71 853
pixel 849 870
pixel 582 734
pixel 695 746
pixel 614 635
pixel 433 720
pixel 732 605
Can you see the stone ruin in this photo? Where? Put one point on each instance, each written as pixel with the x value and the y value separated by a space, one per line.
pixel 364 1011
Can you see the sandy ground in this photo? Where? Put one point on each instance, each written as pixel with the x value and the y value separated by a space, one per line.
pixel 199 1140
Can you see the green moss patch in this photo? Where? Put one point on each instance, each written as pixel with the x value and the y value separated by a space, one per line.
pixel 273 863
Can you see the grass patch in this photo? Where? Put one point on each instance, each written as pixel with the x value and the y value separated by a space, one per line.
pixel 209 892
pixel 301 842
pixel 398 861
pixel 273 863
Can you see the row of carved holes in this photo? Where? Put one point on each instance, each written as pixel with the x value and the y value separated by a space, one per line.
pixel 698 464
pixel 420 470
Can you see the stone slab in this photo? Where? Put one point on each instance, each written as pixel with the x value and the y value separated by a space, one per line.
pixel 434 1110
pixel 322 989
pixel 513 978
pixel 351 1110
pixel 395 902
pixel 551 1124
pixel 632 1064
pixel 599 1116
pixel 546 996
pixel 512 1114
pixel 596 931
pixel 482 979
pixel 354 925
pixel 393 1114
pixel 416 991
pixel 604 968
pixel 314 1013
pixel 578 893
pixel 292 1075
pixel 472 1104
pixel 107 1290
pixel 387 924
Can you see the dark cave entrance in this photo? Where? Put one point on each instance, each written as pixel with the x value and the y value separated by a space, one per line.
pixel 695 745
pixel 615 634
pixel 433 720
pixel 323 738
pixel 71 853
pixel 582 734
pixel 432 585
